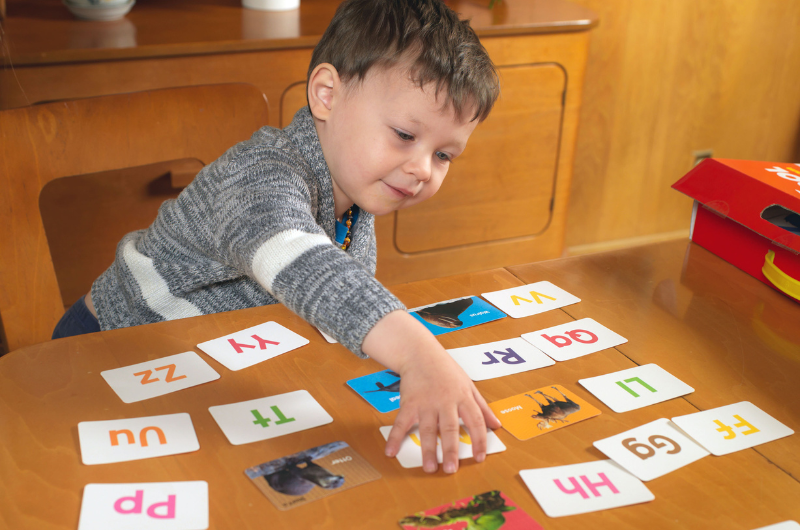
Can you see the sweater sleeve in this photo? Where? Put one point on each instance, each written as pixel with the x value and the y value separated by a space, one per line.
pixel 264 223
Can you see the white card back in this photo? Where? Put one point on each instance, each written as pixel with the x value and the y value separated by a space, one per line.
pixel 410 453
pixel 530 299
pixel 497 359
pixel 652 450
pixel 252 345
pixel 584 488
pixel 731 428
pixel 785 525
pixel 261 419
pixel 151 505
pixel 104 442
pixel 574 339
pixel 158 377
pixel 636 387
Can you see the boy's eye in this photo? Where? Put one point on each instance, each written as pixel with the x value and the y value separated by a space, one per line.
pixel 404 136
pixel 444 157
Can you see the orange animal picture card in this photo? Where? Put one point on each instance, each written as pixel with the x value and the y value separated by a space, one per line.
pixel 543 410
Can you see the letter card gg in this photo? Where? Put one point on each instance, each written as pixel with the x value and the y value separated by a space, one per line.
pixel 104 442
pixel 158 377
pixel 540 411
pixel 252 345
pixel 584 488
pixel 492 509
pixel 732 428
pixel 311 474
pixel 157 505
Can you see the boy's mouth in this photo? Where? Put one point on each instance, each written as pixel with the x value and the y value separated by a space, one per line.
pixel 400 192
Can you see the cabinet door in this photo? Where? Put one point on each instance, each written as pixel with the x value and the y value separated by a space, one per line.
pixel 502 186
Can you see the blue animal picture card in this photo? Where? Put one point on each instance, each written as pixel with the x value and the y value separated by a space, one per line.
pixel 381 389
pixel 453 315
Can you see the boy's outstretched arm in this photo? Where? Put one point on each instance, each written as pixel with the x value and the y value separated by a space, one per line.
pixel 435 391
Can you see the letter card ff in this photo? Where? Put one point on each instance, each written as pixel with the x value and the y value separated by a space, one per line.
pixel 492 509
pixel 453 315
pixel 540 411
pixel 381 389
pixel 311 474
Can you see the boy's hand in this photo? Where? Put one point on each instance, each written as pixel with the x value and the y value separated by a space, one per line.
pixel 435 391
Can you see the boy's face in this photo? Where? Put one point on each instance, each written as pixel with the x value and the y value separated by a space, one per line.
pixel 388 143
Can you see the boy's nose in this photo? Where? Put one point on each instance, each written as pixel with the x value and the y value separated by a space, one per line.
pixel 420 167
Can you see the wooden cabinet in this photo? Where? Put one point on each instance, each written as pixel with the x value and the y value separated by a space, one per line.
pixel 504 200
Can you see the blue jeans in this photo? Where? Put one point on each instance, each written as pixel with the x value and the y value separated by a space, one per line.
pixel 78 320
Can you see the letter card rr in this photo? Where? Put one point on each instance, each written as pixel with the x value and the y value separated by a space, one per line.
pixel 498 359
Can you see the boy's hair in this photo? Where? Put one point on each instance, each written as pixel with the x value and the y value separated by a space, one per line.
pixel 426 34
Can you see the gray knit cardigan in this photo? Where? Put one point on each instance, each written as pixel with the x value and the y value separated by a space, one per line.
pixel 255 227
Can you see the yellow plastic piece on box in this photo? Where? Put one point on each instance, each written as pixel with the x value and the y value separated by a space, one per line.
pixel 780 279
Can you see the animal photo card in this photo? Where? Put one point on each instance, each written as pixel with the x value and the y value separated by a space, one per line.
pixel 497 359
pixel 156 505
pixel 492 509
pixel 574 339
pixel 540 411
pixel 652 450
pixel 158 377
pixel 731 428
pixel 306 476
pixel 410 453
pixel 531 299
pixel 264 418
pixel 105 442
pixel 636 387
pixel 584 488
pixel 453 315
pixel 381 389
pixel 252 345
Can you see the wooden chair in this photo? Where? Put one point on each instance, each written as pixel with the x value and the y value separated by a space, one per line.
pixel 123 155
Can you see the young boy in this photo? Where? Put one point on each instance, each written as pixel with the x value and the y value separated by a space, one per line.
pixel 395 88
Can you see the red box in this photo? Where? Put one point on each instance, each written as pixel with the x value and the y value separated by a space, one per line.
pixel 743 214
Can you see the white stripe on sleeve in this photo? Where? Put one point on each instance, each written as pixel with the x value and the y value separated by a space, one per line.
pixel 280 250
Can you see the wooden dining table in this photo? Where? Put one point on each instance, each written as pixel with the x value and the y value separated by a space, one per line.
pixel 719 330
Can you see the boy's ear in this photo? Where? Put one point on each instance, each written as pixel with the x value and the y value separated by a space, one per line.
pixel 322 84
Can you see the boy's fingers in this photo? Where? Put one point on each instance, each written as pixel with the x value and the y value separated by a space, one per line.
pixel 448 429
pixel 402 424
pixel 427 435
pixel 488 414
pixel 473 421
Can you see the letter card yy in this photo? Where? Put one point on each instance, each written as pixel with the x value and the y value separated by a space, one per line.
pixel 531 299
pixel 731 428
pixel 453 315
pixel 158 377
pixel 252 345
pixel 410 453
pixel 492 509
pixel 540 411
pixel 381 389
pixel 311 474
pixel 155 505
pixel 583 488
pixel 497 359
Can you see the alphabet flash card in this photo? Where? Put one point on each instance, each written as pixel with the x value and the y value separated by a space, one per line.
pixel 410 453
pixel 264 418
pixel 158 377
pixel 652 450
pixel 530 299
pixel 381 389
pixel 574 339
pixel 492 509
pixel 636 387
pixel 732 428
pixel 311 474
pixel 105 442
pixel 252 345
pixel 785 525
pixel 496 359
pixel 157 505
pixel 453 315
pixel 541 411
pixel 584 488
